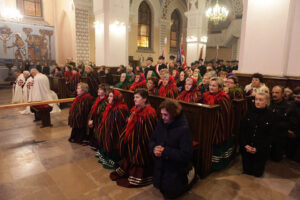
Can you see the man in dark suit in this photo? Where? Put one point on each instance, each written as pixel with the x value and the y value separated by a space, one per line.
pixel 201 67
pixel 161 64
pixel 149 67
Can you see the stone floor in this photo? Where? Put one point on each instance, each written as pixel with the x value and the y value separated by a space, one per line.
pixel 39 163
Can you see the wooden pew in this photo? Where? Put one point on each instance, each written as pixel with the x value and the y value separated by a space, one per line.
pixel 239 110
pixel 202 121
pixel 58 85
pixel 116 78
pixel 271 81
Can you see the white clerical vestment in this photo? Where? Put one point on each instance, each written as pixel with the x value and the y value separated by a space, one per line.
pixel 17 96
pixel 41 91
pixel 27 94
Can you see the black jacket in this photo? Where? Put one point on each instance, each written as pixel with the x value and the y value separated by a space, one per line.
pixel 109 79
pixel 280 126
pixel 148 68
pixel 180 85
pixel 202 69
pixel 46 70
pixel 170 170
pixel 256 130
pixel 294 118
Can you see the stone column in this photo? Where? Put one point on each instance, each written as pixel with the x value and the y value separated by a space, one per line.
pixel 196 29
pixel 111 32
pixel 267 40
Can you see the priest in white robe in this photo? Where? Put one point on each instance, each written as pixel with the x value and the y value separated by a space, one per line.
pixel 41 89
pixel 27 88
pixel 17 96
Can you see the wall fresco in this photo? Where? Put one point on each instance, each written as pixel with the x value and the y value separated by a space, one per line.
pixel 24 41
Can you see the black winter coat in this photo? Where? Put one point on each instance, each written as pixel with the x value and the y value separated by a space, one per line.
pixel 170 170
pixel 150 68
pixel 281 123
pixel 256 130
pixel 294 118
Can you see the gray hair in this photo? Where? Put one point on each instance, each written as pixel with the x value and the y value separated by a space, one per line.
pixel 218 80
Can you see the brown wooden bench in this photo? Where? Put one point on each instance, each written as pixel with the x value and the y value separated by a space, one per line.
pixel 239 110
pixel 42 112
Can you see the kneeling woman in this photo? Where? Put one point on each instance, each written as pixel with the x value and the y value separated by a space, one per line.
pixel 136 165
pixel 255 136
pixel 191 93
pixel 171 146
pixel 78 114
pixel 113 124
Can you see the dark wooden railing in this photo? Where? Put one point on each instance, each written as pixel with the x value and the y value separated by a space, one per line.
pixel 271 81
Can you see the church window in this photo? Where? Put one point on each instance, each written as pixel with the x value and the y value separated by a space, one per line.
pixel 32 8
pixel 144 26
pixel 175 31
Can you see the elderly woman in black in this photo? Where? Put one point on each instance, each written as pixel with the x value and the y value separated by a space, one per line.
pixel 255 136
pixel 171 146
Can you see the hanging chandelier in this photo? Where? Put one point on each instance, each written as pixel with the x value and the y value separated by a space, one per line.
pixel 216 14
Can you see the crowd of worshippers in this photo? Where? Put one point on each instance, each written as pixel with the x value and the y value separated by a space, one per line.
pixel 142 148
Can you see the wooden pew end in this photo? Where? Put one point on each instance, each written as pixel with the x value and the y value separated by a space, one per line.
pixel 42 112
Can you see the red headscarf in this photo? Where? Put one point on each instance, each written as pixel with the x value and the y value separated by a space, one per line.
pixel 136 114
pixel 98 101
pixel 79 98
pixel 210 99
pixel 164 89
pixel 140 83
pixel 76 74
pixel 118 102
pixel 186 95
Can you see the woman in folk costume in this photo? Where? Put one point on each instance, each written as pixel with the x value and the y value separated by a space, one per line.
pixel 95 116
pixel 168 87
pixel 68 74
pixel 223 142
pixel 196 75
pixel 190 94
pixel 204 85
pixel 181 81
pixel 92 80
pixel 175 74
pixel 74 80
pixel 137 164
pixel 124 82
pixel 152 86
pixel 113 124
pixel 78 114
pixel 139 82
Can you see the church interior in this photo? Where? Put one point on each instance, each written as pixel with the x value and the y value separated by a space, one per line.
pixel 50 48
